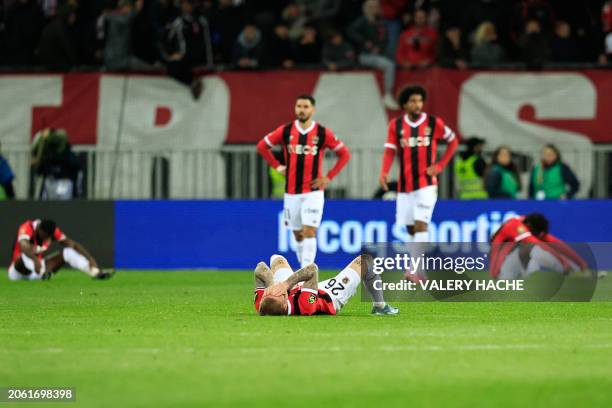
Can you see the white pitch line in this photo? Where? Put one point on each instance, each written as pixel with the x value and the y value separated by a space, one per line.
pixel 343 349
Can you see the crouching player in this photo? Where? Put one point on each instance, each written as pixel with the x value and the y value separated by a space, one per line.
pixel 29 262
pixel 280 291
pixel 523 245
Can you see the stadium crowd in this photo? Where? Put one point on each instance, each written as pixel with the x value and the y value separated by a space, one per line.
pixel 337 34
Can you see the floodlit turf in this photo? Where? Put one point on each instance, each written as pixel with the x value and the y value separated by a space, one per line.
pixel 192 339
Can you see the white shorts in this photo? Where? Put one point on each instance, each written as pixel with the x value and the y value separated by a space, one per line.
pixel 539 260
pixel 14 274
pixel 303 209
pixel 417 205
pixel 342 287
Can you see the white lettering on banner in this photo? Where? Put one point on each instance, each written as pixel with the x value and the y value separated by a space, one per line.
pixel 349 236
pixel 18 95
pixel 490 105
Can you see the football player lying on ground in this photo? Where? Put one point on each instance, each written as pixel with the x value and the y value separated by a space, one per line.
pixel 279 291
pixel 523 245
pixel 29 262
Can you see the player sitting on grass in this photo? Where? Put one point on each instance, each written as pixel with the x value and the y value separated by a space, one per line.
pixel 30 263
pixel 523 245
pixel 278 291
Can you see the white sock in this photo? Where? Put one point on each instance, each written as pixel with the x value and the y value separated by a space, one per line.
pixel 298 251
pixel 419 249
pixel 309 251
pixel 78 261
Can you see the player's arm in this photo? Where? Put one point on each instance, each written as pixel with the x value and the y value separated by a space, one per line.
pixel 67 242
pixel 266 144
pixel 28 250
pixel 452 141
pixel 530 239
pixel 263 276
pixel 388 156
pixel 308 274
pixel 566 250
pixel 343 156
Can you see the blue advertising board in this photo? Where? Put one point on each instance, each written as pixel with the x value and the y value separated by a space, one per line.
pixel 238 234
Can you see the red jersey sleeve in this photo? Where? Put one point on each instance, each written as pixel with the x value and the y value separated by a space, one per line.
pixel 58 235
pixel 391 142
pixel 258 296
pixel 26 231
pixel 275 137
pixel 307 301
pixel 331 141
pixel 443 132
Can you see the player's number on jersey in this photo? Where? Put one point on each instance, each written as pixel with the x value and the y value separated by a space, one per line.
pixel 334 286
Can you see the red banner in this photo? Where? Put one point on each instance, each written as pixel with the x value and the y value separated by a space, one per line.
pixel 241 107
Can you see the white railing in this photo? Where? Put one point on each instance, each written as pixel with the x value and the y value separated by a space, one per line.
pixel 239 172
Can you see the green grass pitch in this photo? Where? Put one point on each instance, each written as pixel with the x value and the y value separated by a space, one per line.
pixel 179 339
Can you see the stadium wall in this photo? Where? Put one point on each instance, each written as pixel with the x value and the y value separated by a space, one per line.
pixel 238 234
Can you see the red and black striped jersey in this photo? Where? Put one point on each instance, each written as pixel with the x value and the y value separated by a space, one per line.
pixel 27 231
pixel 416 146
pixel 303 302
pixel 303 151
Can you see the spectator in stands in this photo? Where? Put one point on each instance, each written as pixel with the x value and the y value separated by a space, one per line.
pixel 338 53
pixel 369 34
pixel 248 51
pixel 226 23
pixel 321 13
pixel 418 45
pixel 551 179
pixel 115 30
pixel 295 19
pixel 308 48
pixel 469 170
pixel 56 50
pixel 280 49
pixel 453 53
pixel 23 25
pixel 6 178
pixel 533 45
pixel 487 51
pixel 189 45
pixel 392 12
pixel 607 58
pixel 562 46
pixel 502 179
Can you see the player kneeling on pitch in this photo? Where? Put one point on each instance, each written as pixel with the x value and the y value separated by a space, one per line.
pixel 280 291
pixel 29 261
pixel 523 245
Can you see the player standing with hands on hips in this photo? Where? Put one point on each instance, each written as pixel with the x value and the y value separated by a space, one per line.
pixel 304 142
pixel 414 138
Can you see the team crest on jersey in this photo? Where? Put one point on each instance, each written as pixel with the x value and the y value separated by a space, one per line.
pixel 521 229
pixel 428 130
pixel 345 280
pixel 315 139
pixel 311 299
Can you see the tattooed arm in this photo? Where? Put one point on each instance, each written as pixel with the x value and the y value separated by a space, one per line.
pixel 308 274
pixel 263 276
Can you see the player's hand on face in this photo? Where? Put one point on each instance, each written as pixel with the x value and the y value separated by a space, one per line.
pixel 320 183
pixel 383 180
pixel 432 170
pixel 278 289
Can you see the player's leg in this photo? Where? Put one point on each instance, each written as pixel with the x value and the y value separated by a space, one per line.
pixel 311 213
pixel 513 267
pixel 14 274
pixel 78 261
pixel 542 260
pixel 23 269
pixel 293 220
pixel 424 203
pixel 344 285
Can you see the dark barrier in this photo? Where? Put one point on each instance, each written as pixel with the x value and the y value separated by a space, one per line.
pixel 91 223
